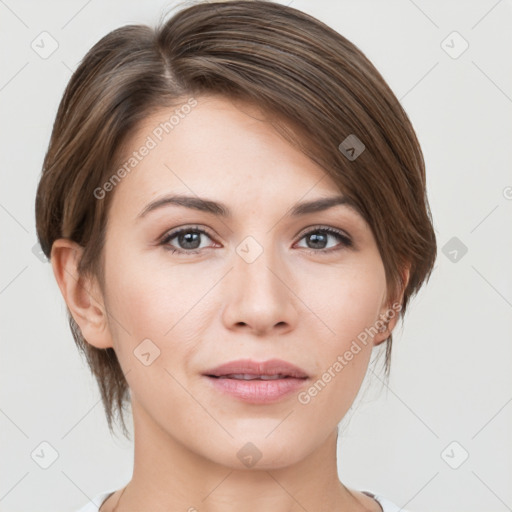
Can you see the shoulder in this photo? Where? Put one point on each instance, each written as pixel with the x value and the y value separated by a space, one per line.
pixel 387 505
pixel 95 504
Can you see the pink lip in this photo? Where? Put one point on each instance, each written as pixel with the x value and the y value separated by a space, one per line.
pixel 257 391
pixel 270 367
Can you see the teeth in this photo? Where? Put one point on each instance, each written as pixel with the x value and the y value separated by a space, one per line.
pixel 246 376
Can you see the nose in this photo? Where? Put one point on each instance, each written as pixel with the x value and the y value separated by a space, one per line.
pixel 259 293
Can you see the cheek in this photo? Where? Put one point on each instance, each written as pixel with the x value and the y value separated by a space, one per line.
pixel 159 315
pixel 346 309
pixel 157 300
pixel 347 301
pixel 155 318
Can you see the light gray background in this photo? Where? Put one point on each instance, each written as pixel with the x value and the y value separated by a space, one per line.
pixel 450 376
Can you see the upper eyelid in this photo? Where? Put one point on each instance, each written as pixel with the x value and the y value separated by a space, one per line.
pixel 175 231
pixel 320 227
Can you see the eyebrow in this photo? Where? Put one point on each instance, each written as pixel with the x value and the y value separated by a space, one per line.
pixel 221 210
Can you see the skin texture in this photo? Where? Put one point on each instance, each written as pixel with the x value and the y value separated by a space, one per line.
pixel 208 308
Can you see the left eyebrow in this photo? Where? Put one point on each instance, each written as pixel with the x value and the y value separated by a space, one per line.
pixel 221 210
pixel 321 204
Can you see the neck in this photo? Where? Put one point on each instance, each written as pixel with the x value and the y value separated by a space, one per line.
pixel 169 476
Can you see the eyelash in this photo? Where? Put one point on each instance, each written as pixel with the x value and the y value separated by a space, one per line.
pixel 346 242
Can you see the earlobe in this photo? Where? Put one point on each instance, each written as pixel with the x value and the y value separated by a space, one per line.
pixel 390 314
pixel 82 294
pixel 384 329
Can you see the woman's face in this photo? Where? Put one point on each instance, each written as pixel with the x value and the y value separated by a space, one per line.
pixel 259 284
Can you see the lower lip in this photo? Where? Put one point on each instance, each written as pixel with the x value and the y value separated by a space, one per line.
pixel 257 391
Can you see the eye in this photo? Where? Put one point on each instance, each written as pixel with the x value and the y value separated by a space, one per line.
pixel 189 238
pixel 318 237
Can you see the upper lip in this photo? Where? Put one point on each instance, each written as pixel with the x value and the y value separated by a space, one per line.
pixel 250 367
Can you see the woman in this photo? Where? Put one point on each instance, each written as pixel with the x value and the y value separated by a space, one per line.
pixel 235 210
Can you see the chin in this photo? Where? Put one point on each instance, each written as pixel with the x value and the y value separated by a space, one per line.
pixel 257 453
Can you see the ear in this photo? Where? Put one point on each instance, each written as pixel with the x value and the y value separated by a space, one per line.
pixel 82 294
pixel 390 312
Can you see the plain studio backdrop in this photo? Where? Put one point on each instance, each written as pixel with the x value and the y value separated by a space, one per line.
pixel 438 437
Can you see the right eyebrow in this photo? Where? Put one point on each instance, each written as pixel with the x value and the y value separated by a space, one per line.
pixel 195 203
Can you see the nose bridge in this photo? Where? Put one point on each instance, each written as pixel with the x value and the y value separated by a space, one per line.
pixel 256 263
pixel 259 298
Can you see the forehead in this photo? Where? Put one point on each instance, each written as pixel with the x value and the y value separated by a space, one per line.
pixel 217 149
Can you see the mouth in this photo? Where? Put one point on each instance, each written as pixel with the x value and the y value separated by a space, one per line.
pixel 249 376
pixel 247 369
pixel 255 382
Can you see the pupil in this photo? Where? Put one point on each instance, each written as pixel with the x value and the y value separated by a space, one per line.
pixel 187 238
pixel 316 238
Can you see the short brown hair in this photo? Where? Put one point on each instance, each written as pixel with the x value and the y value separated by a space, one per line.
pixel 319 87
